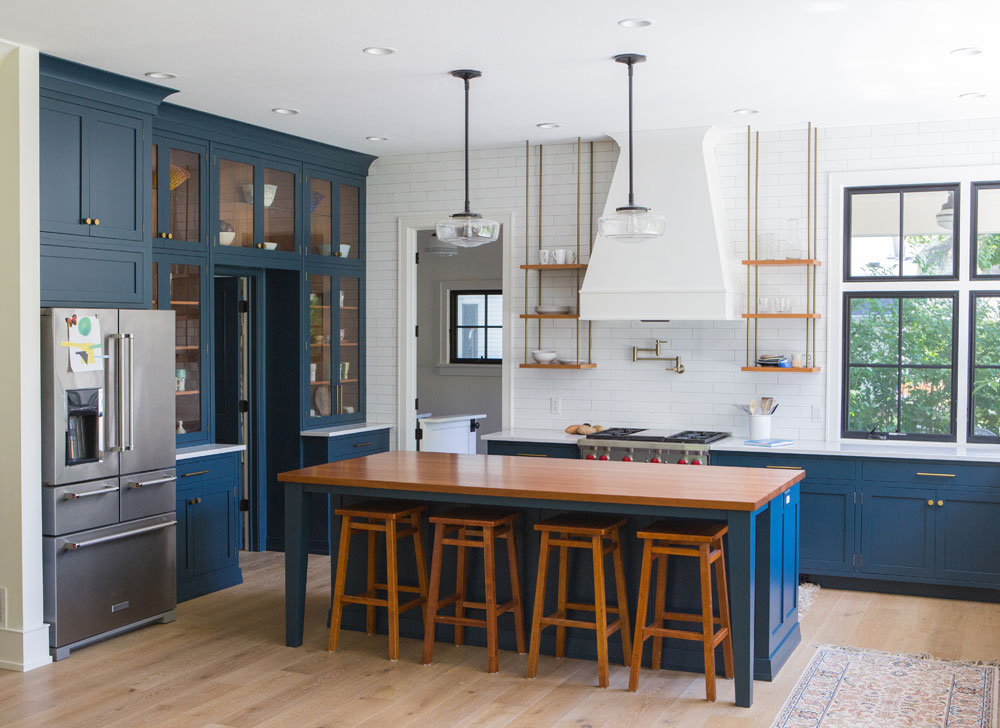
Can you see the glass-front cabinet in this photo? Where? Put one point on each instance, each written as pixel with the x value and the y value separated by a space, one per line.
pixel 179 284
pixel 257 204
pixel 180 194
pixel 333 217
pixel 335 341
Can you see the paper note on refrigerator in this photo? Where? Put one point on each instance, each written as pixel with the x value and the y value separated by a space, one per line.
pixel 84 344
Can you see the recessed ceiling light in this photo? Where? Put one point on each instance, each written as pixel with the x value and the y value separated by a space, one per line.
pixel 548 125
pixel 636 22
pixel 379 50
pixel 284 111
pixel 970 51
pixel 972 95
pixel 377 139
pixel 745 112
pixel 161 74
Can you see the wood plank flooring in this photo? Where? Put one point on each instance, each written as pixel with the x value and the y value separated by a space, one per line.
pixel 223 664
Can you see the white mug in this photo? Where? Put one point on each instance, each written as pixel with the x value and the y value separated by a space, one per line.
pixel 571 255
pixel 544 256
pixel 312 371
pixel 559 256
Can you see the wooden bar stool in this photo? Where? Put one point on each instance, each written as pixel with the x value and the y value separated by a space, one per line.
pixel 581 531
pixel 474 528
pixel 701 540
pixel 372 517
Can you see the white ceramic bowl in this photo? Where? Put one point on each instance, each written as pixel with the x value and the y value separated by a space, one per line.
pixel 544 356
pixel 345 251
pixel 227 238
pixel 551 309
pixel 567 360
pixel 270 246
pixel 269 192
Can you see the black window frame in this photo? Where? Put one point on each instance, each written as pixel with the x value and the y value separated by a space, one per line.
pixel 974 232
pixel 846 366
pixel 970 425
pixel 849 192
pixel 453 327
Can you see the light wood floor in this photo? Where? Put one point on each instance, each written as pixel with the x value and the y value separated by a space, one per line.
pixel 223 663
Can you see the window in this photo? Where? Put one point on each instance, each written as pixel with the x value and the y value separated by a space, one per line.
pixel 899 365
pixel 984 374
pixel 475 327
pixel 901 233
pixel 986 230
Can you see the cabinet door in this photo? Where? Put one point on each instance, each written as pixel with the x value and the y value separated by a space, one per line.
pixel 184 505
pixel 827 542
pixel 966 550
pixel 235 190
pixel 350 221
pixel 897 531
pixel 63 168
pixel 179 192
pixel 321 203
pixel 350 337
pixel 116 164
pixel 279 208
pixel 212 523
pixel 322 393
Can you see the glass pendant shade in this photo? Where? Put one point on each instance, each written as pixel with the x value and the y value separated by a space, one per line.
pixel 631 225
pixel 467 230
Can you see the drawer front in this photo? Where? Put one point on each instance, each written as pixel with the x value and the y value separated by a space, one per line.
pixel 148 494
pixel 358 444
pixel 534 449
pixel 197 470
pixel 930 473
pixel 69 508
pixel 825 468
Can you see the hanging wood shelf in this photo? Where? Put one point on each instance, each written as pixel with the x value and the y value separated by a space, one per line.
pixel 783 261
pixel 550 315
pixel 554 266
pixel 781 370
pixel 781 315
pixel 558 366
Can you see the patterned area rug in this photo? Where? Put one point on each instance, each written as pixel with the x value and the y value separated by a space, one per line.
pixel 846 687
pixel 807 596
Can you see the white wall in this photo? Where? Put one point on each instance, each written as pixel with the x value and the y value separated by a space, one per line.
pixel 455 389
pixel 24 638
pixel 619 392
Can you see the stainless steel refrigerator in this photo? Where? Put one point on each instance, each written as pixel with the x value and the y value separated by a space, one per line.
pixel 108 477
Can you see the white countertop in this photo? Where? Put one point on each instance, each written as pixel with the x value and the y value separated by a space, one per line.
pixel 450 418
pixel 344 430
pixel 524 435
pixel 197 451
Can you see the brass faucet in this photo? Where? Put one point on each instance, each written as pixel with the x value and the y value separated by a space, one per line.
pixel 677 368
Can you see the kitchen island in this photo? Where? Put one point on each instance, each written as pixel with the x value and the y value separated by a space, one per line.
pixel 759 506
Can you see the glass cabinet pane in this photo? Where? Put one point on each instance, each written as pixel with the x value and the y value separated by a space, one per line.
pixel 350 221
pixel 279 210
pixel 320 352
pixel 185 196
pixel 320 216
pixel 185 300
pixel 350 338
pixel 236 203
pixel 156 186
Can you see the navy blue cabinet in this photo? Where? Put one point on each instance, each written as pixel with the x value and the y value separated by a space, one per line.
pixel 208 524
pixel 532 449
pixel 966 548
pixel 828 527
pixel 180 195
pixel 63 167
pixel 897 531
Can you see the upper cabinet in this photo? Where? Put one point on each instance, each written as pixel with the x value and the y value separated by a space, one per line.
pixel 91 164
pixel 334 223
pixel 180 194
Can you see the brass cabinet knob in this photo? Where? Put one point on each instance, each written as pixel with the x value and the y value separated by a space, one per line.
pixel 170 236
pixel 88 221
pixel 336 254
pixel 97 221
pixel 930 502
pixel 940 502
pixel 163 235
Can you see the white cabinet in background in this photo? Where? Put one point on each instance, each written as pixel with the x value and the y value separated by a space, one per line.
pixel 453 433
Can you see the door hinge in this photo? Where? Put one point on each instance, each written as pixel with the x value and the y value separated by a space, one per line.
pixel 862 561
pixel 416 330
pixel 244 405
pixel 416 403
pixel 855 497
pixel 245 504
pixel 854 560
pixel 144 132
pixel 473 425
pixel 418 258
pixel 419 434
pixel 244 306
pixel 144 230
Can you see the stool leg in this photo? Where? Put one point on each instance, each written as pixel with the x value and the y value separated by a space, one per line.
pixel 421 559
pixel 641 611
pixel 600 612
pixel 515 590
pixel 489 567
pixel 659 606
pixel 372 563
pixel 707 623
pixel 460 569
pixel 561 603
pixel 624 629
pixel 338 588
pixel 539 608
pixel 433 593
pixel 723 591
pixel 392 582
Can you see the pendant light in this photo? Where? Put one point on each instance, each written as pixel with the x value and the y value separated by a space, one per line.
pixel 437 248
pixel 631 223
pixel 467 229
pixel 946 215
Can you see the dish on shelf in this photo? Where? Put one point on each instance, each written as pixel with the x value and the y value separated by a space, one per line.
pixel 345 250
pixel 548 310
pixel 321 399
pixel 226 238
pixel 544 356
pixel 269 192
pixel 317 197
pixel 567 360
pixel 270 246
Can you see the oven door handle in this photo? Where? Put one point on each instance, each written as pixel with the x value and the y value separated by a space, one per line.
pixel 104 491
pixel 74 545
pixel 157 481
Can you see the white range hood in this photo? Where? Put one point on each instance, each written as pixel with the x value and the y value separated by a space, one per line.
pixel 689 273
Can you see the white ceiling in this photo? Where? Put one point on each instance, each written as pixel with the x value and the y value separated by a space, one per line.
pixel 830 61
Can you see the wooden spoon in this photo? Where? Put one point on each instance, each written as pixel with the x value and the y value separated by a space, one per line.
pixel 753 407
pixel 765 405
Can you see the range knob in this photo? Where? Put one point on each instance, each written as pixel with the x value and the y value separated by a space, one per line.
pixel 604 457
pixel 591 456
pixel 696 461
pixel 682 461
pixel 627 459
pixel 655 460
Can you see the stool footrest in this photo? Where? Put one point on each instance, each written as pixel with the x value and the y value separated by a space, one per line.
pixel 554 621
pixel 401 587
pixel 462 542
pixel 376 602
pixel 681 634
pixel 460 621
pixel 686 617
pixel 575 606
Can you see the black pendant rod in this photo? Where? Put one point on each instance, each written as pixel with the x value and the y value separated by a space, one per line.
pixel 467 75
pixel 630 59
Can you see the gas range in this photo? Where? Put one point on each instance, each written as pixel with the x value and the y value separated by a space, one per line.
pixel 688 447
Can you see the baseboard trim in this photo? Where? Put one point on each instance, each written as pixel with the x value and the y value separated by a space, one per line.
pixel 24 650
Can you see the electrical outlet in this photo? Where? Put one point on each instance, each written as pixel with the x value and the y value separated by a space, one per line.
pixel 555 405
pixel 817 414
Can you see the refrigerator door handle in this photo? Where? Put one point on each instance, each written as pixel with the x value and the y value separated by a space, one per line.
pixel 131 391
pixel 119 391
pixel 73 545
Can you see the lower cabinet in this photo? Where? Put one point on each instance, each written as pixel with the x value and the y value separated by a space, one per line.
pixel 532 449
pixel 897 531
pixel 208 525
pixel 967 549
pixel 828 527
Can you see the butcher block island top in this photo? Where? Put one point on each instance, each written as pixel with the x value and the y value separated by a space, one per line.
pixel 680 486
